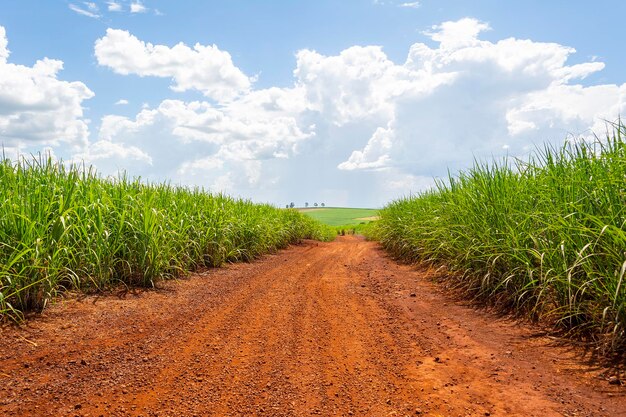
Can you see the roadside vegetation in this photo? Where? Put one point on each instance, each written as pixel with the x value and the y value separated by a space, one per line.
pixel 545 237
pixel 68 228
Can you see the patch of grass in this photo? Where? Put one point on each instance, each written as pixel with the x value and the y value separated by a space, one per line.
pixel 544 237
pixel 337 216
pixel 67 228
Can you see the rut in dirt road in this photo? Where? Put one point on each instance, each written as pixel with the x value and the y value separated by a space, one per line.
pixel 332 329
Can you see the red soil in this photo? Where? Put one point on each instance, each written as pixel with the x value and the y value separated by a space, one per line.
pixel 333 329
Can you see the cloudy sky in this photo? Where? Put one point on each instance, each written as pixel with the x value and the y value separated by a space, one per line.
pixel 350 103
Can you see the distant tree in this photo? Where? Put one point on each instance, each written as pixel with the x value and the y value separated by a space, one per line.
pixel 286 205
pixel 323 205
pixel 306 204
pixel 292 205
pixel 315 204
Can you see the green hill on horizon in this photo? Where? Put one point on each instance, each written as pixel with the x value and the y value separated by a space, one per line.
pixel 341 216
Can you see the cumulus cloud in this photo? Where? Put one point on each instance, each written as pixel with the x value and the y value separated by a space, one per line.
pixel 204 68
pixel 121 102
pixel 112 158
pixel 346 87
pixel 459 34
pixel 374 155
pixel 359 83
pixel 36 108
pixel 137 7
pixel 355 120
pixel 411 5
pixel 511 94
pixel 186 140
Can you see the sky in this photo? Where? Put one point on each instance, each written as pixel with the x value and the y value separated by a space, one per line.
pixel 347 103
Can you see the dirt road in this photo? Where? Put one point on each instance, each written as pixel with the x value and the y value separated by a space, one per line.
pixel 331 329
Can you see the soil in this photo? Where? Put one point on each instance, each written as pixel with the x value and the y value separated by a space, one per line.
pixel 331 329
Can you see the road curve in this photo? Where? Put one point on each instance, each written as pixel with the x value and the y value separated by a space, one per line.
pixel 331 329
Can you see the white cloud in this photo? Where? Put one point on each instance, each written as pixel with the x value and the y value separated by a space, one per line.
pixel 411 5
pixel 91 9
pixel 346 87
pixel 137 7
pixel 374 155
pixel 114 6
pixel 355 120
pixel 206 165
pixel 509 95
pixel 36 108
pixel 359 83
pixel 203 68
pixel 199 143
pixel 121 102
pixel 112 157
pixel 459 34
pixel 582 109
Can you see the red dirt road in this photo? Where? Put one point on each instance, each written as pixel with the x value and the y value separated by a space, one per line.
pixel 331 329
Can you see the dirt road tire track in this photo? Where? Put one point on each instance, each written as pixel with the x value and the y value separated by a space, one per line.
pixel 333 329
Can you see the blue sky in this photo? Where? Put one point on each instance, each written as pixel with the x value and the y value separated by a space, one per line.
pixel 348 103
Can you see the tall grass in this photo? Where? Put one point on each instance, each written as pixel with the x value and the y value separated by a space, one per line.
pixel 546 238
pixel 68 228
